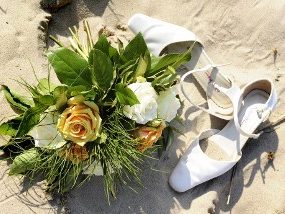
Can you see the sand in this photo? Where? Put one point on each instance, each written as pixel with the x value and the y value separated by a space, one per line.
pixel 243 33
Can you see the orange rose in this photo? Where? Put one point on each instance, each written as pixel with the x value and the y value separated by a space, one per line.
pixel 80 122
pixel 148 136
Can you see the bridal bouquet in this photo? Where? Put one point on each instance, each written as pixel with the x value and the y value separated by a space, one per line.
pixel 112 106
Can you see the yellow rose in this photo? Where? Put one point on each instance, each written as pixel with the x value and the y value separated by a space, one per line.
pixel 80 122
pixel 148 136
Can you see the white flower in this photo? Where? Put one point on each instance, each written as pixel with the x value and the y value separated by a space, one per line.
pixel 146 110
pixel 94 168
pixel 45 133
pixel 168 104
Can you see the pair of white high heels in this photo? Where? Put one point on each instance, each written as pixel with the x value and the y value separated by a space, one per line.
pixel 245 108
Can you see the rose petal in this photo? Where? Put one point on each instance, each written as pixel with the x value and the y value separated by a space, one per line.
pixel 146 110
pixel 168 104
pixel 45 133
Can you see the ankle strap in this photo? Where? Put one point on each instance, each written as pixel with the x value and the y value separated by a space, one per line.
pixel 212 82
pixel 236 97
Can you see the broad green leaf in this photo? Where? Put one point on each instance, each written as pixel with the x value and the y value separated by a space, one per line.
pixel 30 118
pixel 70 68
pixel 114 55
pixel 60 96
pixel 76 90
pixel 44 87
pixel 47 100
pixel 125 95
pixel 102 44
pixel 174 60
pixel 24 162
pixel 18 103
pixel 10 127
pixel 135 48
pixel 102 70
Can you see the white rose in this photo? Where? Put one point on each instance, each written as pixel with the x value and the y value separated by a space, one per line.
pixel 146 110
pixel 45 133
pixel 168 104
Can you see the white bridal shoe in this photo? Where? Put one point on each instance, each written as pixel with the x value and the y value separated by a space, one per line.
pixel 161 35
pixel 246 108
pixel 252 106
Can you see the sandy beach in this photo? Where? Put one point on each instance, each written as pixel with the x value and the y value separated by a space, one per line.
pixel 250 35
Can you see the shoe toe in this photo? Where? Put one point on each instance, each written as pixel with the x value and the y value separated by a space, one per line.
pixel 180 179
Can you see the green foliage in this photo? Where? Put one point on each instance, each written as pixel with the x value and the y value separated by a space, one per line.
pixel 44 87
pixel 60 94
pixel 136 48
pixel 70 68
pixel 10 127
pixel 24 162
pixel 173 60
pixel 143 65
pixel 166 141
pixel 118 155
pixel 165 79
pixel 102 70
pixel 30 119
pixel 16 146
pixel 61 175
pixel 125 95
pixel 18 103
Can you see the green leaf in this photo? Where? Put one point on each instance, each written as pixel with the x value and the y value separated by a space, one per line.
pixel 120 46
pixel 70 68
pixel 10 127
pixel 69 180
pixel 143 65
pixel 102 70
pixel 44 87
pixel 103 45
pixel 114 55
pixel 174 60
pixel 60 96
pixel 24 162
pixel 125 95
pixel 169 137
pixel 30 118
pixel 18 103
pixel 81 90
pixel 135 48
pixel 47 100
pixel 165 79
pixel 76 90
pixel 166 141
